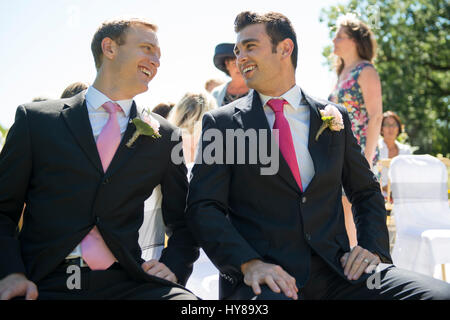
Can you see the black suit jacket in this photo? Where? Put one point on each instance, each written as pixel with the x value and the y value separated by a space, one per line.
pixel 50 162
pixel 237 214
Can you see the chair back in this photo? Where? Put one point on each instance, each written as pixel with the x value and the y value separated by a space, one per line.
pixel 419 191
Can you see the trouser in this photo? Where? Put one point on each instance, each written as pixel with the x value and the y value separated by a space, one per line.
pixel 113 283
pixel 390 283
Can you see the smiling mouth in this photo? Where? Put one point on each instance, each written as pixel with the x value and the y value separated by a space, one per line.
pixel 247 70
pixel 146 71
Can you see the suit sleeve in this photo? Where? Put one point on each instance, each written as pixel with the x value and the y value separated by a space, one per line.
pixel 15 171
pixel 363 191
pixel 182 250
pixel 208 208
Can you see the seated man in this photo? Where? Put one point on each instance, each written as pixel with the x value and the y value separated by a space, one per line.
pixel 84 186
pixel 282 235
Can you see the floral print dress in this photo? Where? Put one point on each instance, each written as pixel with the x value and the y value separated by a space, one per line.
pixel 347 93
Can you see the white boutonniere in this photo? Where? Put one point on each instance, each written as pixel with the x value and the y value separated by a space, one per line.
pixel 145 125
pixel 331 118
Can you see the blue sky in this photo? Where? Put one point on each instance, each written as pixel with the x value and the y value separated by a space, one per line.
pixel 46 44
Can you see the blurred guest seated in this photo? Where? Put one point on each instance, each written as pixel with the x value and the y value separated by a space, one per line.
pixel 212 83
pixel 163 109
pixel 73 89
pixel 388 146
pixel 187 114
pixel 225 61
pixel 40 98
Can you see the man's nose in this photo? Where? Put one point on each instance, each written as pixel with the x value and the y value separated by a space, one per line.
pixel 240 58
pixel 155 61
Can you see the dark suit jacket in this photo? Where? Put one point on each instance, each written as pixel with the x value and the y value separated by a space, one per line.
pixel 237 214
pixel 50 162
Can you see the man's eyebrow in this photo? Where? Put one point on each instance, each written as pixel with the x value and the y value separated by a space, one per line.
pixel 244 42
pixel 149 44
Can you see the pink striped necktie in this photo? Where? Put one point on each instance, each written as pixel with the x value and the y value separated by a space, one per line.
pixel 285 142
pixel 93 248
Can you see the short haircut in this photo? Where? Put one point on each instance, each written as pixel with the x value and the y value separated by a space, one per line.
pixel 116 30
pixel 73 89
pixel 278 27
pixel 163 109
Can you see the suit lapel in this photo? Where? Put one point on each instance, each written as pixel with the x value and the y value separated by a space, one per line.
pixel 317 149
pixel 76 116
pixel 252 116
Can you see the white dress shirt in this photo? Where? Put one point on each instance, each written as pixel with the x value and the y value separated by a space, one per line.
pixel 297 114
pixel 98 118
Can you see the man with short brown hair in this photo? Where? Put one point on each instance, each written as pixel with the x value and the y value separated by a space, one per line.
pixel 85 184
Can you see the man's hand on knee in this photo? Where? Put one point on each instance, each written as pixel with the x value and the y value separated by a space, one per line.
pixel 159 269
pixel 278 280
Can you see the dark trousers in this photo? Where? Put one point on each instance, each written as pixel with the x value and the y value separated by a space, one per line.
pixel 325 284
pixel 113 283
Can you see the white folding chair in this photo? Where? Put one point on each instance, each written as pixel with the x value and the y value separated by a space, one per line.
pixel 204 280
pixel 421 211
pixel 151 233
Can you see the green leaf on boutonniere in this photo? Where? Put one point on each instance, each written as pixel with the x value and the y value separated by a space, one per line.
pixel 144 127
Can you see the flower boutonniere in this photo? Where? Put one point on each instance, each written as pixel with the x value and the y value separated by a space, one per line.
pixel 145 125
pixel 331 118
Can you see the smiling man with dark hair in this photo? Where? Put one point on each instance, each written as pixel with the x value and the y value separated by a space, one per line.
pixel 283 236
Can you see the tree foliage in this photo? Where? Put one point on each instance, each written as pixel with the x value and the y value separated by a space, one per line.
pixel 413 60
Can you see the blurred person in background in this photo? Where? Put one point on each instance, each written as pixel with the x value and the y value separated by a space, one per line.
pixel 358 88
pixel 73 89
pixel 163 109
pixel 389 147
pixel 225 60
pixel 187 115
pixel 211 84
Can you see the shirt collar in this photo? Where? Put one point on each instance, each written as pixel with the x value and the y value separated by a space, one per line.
pixel 96 99
pixel 293 96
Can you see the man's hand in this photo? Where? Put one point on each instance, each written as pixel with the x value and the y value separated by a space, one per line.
pixel 257 272
pixel 357 261
pixel 17 285
pixel 159 269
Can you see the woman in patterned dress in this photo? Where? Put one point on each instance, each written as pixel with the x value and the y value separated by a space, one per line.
pixel 358 88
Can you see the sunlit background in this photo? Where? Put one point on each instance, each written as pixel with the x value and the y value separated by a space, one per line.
pixel 45 45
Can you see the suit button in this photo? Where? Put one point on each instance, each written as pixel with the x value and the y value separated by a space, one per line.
pixel 106 181
pixel 97 219
pixel 303 199
pixel 308 237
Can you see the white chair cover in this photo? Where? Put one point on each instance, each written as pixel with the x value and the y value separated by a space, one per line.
pixel 204 280
pixel 421 212
pixel 152 231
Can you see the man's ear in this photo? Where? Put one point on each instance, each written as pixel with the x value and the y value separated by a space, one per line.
pixel 109 48
pixel 286 47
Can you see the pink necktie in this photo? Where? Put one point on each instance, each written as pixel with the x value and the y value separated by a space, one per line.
pixel 93 248
pixel 286 143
